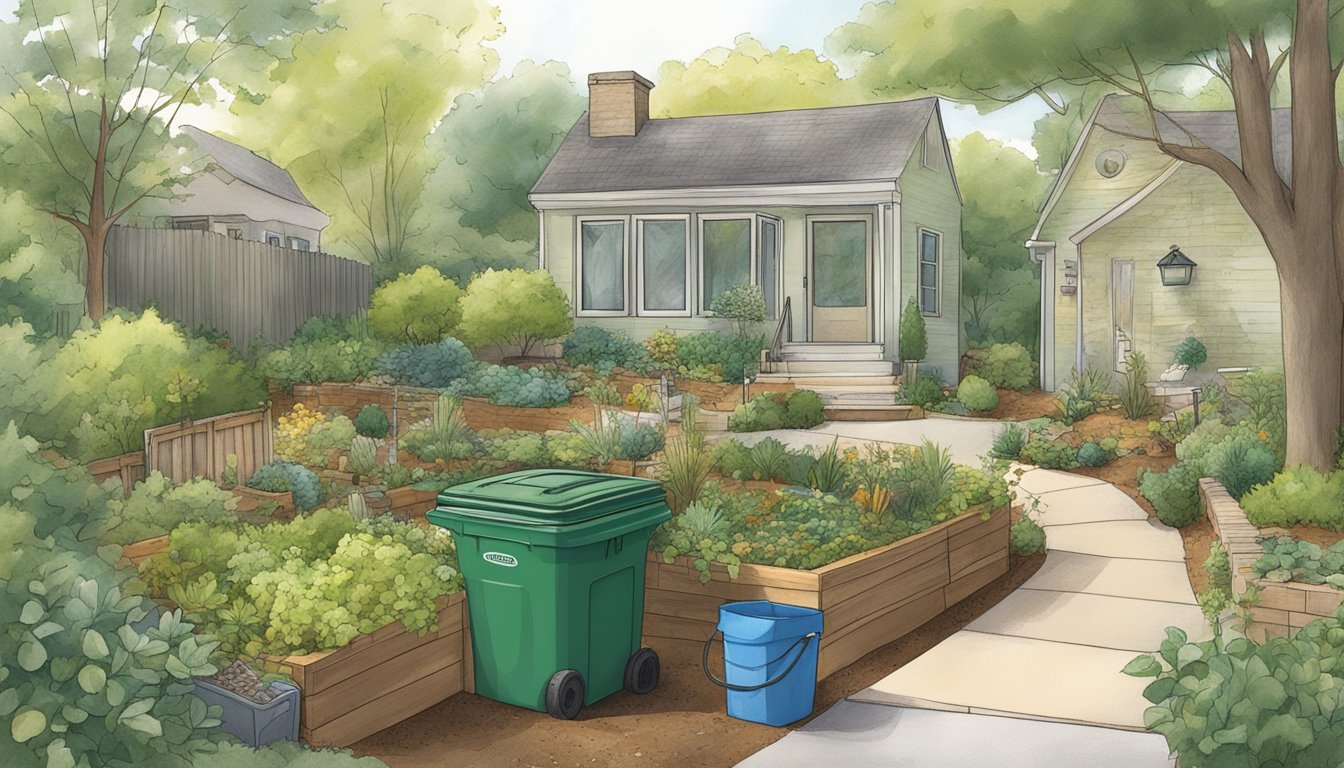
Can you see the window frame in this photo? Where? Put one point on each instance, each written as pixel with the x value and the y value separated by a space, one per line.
pixel 638 232
pixel 266 236
pixel 579 221
pixel 752 254
pixel 921 231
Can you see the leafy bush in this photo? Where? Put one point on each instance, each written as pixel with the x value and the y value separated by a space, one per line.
pixel 1092 455
pixel 1008 366
pixel 926 391
pixel 1135 397
pixel 1008 442
pixel 1026 537
pixel 306 436
pixel 1240 465
pixel 913 336
pixel 1190 352
pixel 604 350
pixel 711 355
pixel 514 306
pixel 1265 397
pixel 1174 494
pixel 977 394
pixel 324 327
pixel 744 304
pixel 516 447
pixel 156 506
pixel 637 442
pixel 1049 454
pixel 661 347
pixel 281 476
pixel 318 361
pixel 433 365
pixel 417 308
pixel 1298 496
pixel 767 459
pixel 1241 703
pixel 444 435
pixel 1287 559
pixel 372 421
pixel 511 385
pixel 799 409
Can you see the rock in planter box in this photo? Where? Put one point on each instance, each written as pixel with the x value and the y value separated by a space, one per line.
pixel 272 715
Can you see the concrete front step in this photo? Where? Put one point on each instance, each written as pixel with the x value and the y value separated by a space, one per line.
pixel 831 351
pixel 825 380
pixel 833 367
pixel 874 412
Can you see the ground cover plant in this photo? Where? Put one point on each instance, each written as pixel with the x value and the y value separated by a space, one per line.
pixel 282 476
pixel 1287 559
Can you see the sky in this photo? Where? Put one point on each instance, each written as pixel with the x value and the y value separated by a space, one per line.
pixel 598 35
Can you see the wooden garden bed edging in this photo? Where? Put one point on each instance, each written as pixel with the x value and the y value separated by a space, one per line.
pixel 382 678
pixel 868 600
pixel 251 498
pixel 1284 606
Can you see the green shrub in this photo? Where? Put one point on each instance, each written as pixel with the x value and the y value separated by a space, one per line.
pixel 318 361
pixel 977 394
pixel 1265 397
pixel 1218 567
pixel 281 476
pixel 1049 454
pixel 1240 465
pixel 433 365
pixel 766 459
pixel 1297 496
pixel 800 409
pixel 1008 366
pixel 1241 703
pixel 1026 537
pixel 511 385
pixel 1135 397
pixel 604 350
pixel 912 335
pixel 926 391
pixel 661 348
pixel 1190 352
pixel 417 308
pixel 306 436
pixel 156 506
pixel 1008 442
pixel 1092 455
pixel 372 421
pixel 444 435
pixel 743 304
pixel 324 327
pixel 1174 494
pixel 637 442
pixel 516 307
pixel 708 355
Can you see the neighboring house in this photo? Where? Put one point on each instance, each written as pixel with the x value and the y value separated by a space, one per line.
pixel 241 195
pixel 1118 207
pixel 840 215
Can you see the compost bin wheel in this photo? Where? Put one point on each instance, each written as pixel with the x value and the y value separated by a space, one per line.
pixel 564 694
pixel 641 671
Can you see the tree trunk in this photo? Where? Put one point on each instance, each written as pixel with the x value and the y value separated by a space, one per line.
pixel 95 294
pixel 1313 359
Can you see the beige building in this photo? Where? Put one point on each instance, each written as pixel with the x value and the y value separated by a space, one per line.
pixel 1118 208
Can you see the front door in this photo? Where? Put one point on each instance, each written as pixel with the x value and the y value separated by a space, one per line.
pixel 1122 311
pixel 840 280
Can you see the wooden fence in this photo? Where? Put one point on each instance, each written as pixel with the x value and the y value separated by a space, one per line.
pixel 129 468
pixel 246 289
pixel 201 448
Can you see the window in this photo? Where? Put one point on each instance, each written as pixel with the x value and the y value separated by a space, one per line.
pixel 298 244
pixel 235 233
pixel 725 256
pixel 767 267
pixel 602 273
pixel 930 256
pixel 663 248
pixel 274 239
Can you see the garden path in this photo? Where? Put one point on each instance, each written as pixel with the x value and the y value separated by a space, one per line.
pixel 1052 651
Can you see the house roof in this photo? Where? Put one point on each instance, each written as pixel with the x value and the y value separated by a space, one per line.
pixel 836 144
pixel 246 165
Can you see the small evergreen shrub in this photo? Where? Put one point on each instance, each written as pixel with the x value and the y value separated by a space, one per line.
pixel 1298 496
pixel 1008 366
pixel 1190 352
pixel 977 394
pixel 604 350
pixel 371 421
pixel 912 335
pixel 1049 454
pixel 1026 537
pixel 638 441
pixel 1092 455
pixel 800 409
pixel 1240 465
pixel 926 391
pixel 433 365
pixel 1174 494
pixel 281 476
pixel 743 304
pixel 1008 442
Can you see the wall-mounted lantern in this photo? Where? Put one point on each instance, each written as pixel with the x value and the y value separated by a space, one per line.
pixel 1176 267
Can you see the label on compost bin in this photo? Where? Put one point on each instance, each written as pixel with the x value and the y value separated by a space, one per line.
pixel 499 558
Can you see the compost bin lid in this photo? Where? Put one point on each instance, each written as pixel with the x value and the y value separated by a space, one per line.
pixel 550 497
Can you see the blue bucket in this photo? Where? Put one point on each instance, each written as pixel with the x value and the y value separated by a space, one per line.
pixel 769 660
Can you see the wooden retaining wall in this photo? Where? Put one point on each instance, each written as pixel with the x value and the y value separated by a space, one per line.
pixel 869 599
pixel 129 468
pixel 1284 607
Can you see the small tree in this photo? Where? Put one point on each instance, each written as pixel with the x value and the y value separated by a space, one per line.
pixel 514 306
pixel 743 304
pixel 914 337
pixel 420 308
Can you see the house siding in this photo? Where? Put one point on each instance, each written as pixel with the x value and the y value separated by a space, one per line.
pixel 1232 302
pixel 929 200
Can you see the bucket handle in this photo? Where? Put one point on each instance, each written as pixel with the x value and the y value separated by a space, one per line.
pixel 799 643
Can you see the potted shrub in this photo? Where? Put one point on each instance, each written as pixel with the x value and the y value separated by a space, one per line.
pixel 255 713
pixel 1188 356
pixel 914 339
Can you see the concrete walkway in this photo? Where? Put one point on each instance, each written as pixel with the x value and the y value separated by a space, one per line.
pixel 1046 660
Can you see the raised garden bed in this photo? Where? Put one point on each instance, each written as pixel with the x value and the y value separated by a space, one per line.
pixel 869 599
pixel 380 679
pixel 143 550
pixel 251 498
pixel 1283 607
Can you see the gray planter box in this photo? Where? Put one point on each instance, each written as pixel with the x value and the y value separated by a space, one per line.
pixel 256 724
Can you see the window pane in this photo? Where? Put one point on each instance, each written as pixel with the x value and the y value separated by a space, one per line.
pixel 928 272
pixel 769 265
pixel 928 301
pixel 727 256
pixel 928 276
pixel 664 250
pixel 840 264
pixel 928 250
pixel 604 266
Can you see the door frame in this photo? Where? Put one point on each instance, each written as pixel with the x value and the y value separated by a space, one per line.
pixel 1113 328
pixel 870 294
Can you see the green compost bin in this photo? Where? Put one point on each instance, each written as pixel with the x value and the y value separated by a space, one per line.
pixel 554 566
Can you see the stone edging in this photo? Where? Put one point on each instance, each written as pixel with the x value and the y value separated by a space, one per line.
pixel 1284 607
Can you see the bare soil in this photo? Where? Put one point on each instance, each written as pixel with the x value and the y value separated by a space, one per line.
pixel 682 723
pixel 1023 406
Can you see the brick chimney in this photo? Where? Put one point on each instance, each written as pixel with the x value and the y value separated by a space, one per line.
pixel 618 103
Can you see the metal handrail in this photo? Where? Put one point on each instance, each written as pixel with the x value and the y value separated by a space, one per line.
pixel 783 332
